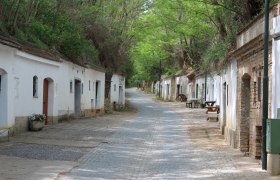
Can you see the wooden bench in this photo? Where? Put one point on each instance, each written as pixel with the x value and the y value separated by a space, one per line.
pixel 212 116
pixel 182 98
pixel 5 132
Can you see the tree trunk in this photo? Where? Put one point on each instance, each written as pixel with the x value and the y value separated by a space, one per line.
pixel 29 10
pixel 16 16
pixel 108 78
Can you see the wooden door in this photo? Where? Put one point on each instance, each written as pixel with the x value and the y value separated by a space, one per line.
pixel 45 99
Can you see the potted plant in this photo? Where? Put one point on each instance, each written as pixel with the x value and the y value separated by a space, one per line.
pixel 36 122
pixel 202 103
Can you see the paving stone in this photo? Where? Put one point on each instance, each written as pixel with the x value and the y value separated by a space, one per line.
pixel 159 143
pixel 43 152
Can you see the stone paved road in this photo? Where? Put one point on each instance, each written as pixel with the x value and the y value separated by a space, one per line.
pixel 156 144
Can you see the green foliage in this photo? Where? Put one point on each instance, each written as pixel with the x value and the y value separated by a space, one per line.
pixel 43 32
pixel 193 33
pixel 48 24
pixel 144 38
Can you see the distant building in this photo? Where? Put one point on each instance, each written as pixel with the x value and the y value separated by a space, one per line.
pixel 118 90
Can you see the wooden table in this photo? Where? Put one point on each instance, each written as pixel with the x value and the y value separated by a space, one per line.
pixel 212 109
pixel 192 103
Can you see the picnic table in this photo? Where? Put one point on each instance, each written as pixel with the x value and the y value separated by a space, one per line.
pixel 210 103
pixel 212 111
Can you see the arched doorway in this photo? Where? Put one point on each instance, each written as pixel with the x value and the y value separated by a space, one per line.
pixel 245 113
pixel 48 98
pixel 3 98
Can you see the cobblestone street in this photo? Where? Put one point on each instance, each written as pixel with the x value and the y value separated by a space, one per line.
pixel 163 140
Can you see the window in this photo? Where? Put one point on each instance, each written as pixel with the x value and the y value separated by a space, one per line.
pixel 35 86
pixel 259 88
pixel 196 93
pixel 115 87
pixel 89 85
pixel 93 86
pixel 71 86
pixel 82 88
pixel 255 93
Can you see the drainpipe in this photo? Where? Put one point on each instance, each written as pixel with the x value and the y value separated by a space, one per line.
pixel 265 85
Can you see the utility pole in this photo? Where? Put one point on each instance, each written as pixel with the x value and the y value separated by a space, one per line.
pixel 205 87
pixel 159 78
pixel 265 84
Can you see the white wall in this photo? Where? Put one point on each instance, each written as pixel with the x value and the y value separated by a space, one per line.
pixel 275 67
pixel 200 84
pixel 118 89
pixel 69 72
pixel 166 89
pixel 183 82
pixel 7 87
pixel 26 66
pixel 229 76
pixel 17 69
pixel 213 90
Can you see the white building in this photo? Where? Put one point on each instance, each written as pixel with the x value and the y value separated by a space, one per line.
pixel 44 83
pixel 228 102
pixel 181 85
pixel 118 89
pixel 168 88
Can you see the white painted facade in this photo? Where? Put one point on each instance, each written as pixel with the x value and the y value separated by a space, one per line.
pixel 166 89
pixel 21 72
pixel 181 85
pixel 228 99
pixel 275 104
pixel 118 89
pixel 200 87
pixel 213 90
pixel 88 81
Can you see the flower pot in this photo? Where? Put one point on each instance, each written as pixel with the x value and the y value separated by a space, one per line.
pixel 36 125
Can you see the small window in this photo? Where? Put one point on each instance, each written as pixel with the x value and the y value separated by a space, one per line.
pixel 82 88
pixel 89 85
pixel 71 86
pixel 196 94
pixel 35 86
pixel 93 86
pixel 255 93
pixel 115 87
pixel 259 88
